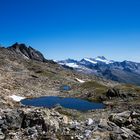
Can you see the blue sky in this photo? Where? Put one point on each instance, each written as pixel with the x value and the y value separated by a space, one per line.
pixel 63 29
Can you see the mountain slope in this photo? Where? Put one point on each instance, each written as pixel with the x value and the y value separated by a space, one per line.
pixel 25 72
pixel 27 52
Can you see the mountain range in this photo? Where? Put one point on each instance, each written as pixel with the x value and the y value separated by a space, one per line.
pixel 125 71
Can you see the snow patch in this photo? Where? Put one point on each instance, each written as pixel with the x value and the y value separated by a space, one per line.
pixel 17 98
pixel 79 80
pixel 91 61
pixel 73 65
pixel 103 60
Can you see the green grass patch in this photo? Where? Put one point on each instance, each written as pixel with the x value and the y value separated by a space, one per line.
pixel 96 89
pixel 46 73
pixel 129 87
pixel 92 85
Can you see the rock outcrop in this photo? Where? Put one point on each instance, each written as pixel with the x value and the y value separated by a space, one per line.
pixel 31 123
pixel 41 123
pixel 27 52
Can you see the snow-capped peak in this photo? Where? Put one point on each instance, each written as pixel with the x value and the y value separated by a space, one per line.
pixel 69 62
pixel 73 65
pixel 101 57
pixel 84 62
pixel 90 60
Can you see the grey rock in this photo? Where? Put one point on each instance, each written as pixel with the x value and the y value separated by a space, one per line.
pixel 74 125
pixel 89 121
pixel 129 134
pixel 115 136
pixel 27 52
pixel 14 119
pixel 31 131
pixel 116 129
pixel 1 122
pixel 120 118
pixel 135 115
pixel 32 119
pixel 2 135
pixel 104 125
pixel 87 133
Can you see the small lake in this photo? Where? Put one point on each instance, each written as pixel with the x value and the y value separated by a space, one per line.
pixel 71 103
pixel 65 88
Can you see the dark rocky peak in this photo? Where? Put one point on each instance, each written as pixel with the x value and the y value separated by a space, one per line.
pixel 101 57
pixel 27 52
pixel 71 60
pixel 67 61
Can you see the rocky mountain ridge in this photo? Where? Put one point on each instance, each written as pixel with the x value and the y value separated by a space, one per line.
pixel 125 71
pixel 27 52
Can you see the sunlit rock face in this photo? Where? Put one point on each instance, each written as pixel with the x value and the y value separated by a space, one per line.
pixel 27 52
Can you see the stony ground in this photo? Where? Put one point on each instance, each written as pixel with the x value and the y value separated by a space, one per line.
pixel 63 124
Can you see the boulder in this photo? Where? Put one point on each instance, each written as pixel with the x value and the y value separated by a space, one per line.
pixel 89 121
pixel 128 134
pixel 2 135
pixel 104 125
pixel 113 92
pixel 12 120
pixel 121 118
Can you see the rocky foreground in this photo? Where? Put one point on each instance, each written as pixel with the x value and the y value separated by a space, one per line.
pixel 54 124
